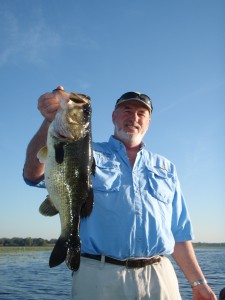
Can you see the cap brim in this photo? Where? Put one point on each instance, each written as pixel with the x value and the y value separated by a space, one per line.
pixel 133 100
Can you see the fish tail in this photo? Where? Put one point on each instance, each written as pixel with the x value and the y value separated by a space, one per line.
pixel 73 255
pixel 59 253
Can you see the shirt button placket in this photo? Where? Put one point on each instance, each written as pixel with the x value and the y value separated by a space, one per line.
pixel 138 206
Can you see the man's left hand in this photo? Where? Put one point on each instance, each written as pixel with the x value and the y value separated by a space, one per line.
pixel 203 292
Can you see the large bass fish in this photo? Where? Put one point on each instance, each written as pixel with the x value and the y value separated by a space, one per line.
pixel 69 165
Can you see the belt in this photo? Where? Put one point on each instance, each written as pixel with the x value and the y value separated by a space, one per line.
pixel 129 263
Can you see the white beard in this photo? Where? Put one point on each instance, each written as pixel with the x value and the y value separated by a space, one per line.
pixel 128 138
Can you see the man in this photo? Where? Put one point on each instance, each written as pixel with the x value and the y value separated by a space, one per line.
pixel 139 216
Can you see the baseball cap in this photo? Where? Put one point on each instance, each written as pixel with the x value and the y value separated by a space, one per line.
pixel 135 96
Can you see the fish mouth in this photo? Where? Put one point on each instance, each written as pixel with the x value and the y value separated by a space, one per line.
pixel 64 138
pixel 75 97
pixel 79 98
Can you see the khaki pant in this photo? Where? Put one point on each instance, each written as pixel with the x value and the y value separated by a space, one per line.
pixel 97 280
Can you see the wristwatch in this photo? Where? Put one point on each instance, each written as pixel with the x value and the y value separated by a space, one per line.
pixel 197 282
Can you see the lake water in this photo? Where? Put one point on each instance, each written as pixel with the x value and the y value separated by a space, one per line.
pixel 26 275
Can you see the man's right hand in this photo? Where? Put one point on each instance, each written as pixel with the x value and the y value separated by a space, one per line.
pixel 48 104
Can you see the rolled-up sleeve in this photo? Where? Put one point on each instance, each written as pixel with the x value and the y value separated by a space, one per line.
pixel 40 184
pixel 181 223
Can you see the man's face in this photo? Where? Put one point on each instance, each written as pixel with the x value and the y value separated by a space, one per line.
pixel 131 121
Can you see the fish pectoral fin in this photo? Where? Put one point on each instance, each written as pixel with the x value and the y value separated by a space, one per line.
pixel 87 207
pixel 47 208
pixel 42 154
pixel 59 152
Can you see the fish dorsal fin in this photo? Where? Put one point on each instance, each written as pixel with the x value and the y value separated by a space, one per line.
pixel 42 154
pixel 47 208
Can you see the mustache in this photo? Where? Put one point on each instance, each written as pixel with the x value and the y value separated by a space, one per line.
pixel 131 123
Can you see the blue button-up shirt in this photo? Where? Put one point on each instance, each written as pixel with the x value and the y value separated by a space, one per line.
pixel 139 211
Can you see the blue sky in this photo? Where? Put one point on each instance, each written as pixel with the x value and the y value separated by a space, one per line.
pixel 170 50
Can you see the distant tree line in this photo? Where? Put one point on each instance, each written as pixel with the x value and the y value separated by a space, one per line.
pixel 38 242
pixel 25 242
pixel 199 244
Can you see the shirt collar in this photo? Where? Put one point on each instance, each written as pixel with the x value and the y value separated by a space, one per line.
pixel 118 145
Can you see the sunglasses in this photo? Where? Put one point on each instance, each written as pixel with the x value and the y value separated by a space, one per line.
pixel 135 96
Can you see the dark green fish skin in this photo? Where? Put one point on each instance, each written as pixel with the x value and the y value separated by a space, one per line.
pixel 69 167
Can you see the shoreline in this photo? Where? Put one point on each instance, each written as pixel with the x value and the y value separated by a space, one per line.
pixel 4 249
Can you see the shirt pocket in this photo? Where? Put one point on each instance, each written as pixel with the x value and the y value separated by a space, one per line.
pixel 107 176
pixel 162 185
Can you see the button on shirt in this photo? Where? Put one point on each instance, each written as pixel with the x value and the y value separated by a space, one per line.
pixel 138 212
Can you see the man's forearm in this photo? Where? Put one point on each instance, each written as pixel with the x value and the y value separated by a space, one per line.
pixel 33 169
pixel 184 256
